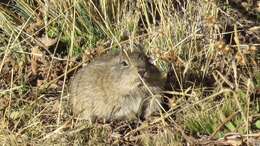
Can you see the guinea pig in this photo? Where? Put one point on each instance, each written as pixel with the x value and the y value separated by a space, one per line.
pixel 117 86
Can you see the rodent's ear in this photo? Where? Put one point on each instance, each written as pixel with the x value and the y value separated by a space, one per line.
pixel 125 35
pixel 138 48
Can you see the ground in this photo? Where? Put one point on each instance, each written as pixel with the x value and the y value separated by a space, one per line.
pixel 208 51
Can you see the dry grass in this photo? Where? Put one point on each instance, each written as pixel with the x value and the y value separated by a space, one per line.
pixel 207 49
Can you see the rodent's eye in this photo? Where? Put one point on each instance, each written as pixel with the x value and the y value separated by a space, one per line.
pixel 124 63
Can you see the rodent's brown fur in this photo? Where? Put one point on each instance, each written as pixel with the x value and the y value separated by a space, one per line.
pixel 116 86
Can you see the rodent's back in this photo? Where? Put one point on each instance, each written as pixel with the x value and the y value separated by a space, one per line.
pixel 110 87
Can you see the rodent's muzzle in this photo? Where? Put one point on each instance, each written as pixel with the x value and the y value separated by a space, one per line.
pixel 142 73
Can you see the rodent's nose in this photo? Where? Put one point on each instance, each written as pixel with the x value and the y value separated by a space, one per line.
pixel 142 72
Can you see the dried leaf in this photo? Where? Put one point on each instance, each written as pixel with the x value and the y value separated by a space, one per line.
pixel 46 42
pixel 233 139
pixel 254 29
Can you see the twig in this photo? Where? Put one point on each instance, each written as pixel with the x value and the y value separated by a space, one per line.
pixel 223 123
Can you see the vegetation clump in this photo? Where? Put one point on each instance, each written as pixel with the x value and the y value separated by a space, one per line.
pixel 208 51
